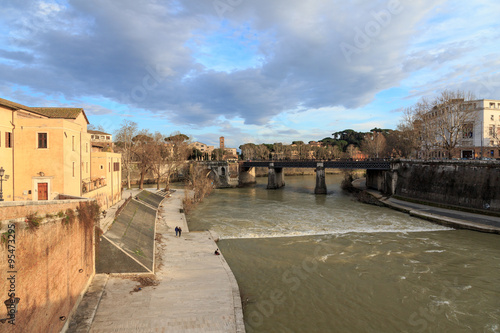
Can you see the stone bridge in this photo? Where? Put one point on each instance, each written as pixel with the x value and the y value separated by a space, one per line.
pixel 227 174
pixel 276 175
pixel 473 184
pixel 223 174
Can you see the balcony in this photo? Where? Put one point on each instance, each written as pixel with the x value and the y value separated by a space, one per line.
pixel 93 184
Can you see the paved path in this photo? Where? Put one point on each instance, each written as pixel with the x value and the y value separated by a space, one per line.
pixel 196 290
pixel 448 217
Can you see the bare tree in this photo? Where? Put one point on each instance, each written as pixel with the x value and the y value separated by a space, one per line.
pixel 198 181
pixel 351 151
pixel 374 144
pixel 125 145
pixel 177 152
pixel 448 119
pixel 262 152
pixel 91 127
pixel 278 153
pixel 407 139
pixel 142 147
pixel 158 152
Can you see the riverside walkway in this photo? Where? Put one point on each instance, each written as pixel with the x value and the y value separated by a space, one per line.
pixel 448 217
pixel 193 290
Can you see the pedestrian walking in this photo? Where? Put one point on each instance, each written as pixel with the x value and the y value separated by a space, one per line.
pixel 180 231
pixel 176 231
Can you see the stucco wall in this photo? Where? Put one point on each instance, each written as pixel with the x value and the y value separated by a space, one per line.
pixel 104 197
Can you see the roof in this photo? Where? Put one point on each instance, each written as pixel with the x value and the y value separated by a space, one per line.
pixel 97 132
pixel 14 106
pixel 63 113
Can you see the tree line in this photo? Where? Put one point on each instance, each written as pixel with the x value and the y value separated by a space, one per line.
pixel 431 125
pixel 161 155
pixel 439 123
pixel 377 143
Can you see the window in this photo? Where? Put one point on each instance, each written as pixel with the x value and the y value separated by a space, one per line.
pixel 492 117
pixel 467 131
pixel 0 139
pixel 116 166
pixel 42 140
pixel 108 137
pixel 86 147
pixel 86 167
pixel 73 143
pixel 8 140
pixel 492 153
pixel 492 131
pixel 73 169
pixel 109 167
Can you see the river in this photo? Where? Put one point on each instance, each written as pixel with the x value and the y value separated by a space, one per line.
pixel 307 263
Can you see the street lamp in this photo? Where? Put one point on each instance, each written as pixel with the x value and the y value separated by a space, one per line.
pixel 2 172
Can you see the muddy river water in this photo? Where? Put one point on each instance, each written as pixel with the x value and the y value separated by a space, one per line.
pixel 307 263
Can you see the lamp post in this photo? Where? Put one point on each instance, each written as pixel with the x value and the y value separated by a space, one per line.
pixel 2 172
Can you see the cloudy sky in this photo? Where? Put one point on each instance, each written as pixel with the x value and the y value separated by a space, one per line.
pixel 250 70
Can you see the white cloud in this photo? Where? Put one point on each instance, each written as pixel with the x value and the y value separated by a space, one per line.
pixel 192 63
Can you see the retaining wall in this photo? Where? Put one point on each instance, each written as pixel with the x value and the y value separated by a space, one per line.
pixel 49 269
pixel 471 184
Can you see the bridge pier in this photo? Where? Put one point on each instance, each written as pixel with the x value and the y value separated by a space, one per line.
pixel 320 179
pixel 275 177
pixel 247 176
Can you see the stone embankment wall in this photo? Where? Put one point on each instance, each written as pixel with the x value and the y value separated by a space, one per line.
pixel 48 268
pixel 16 209
pixel 471 184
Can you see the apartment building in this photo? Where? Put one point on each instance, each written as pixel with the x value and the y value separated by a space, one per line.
pixel 480 131
pixel 46 153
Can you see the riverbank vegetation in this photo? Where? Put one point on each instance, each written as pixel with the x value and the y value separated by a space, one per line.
pixel 154 153
pixel 198 186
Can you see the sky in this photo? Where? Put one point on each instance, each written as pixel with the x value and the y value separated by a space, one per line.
pixel 256 71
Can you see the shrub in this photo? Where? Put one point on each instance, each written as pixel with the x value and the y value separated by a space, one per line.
pixel 33 221
pixel 70 216
pixel 89 213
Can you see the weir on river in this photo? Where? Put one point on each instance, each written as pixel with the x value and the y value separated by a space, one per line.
pixel 307 263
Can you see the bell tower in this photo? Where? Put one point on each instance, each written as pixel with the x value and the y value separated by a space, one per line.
pixel 221 143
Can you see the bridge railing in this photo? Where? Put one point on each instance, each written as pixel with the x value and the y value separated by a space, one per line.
pixel 374 164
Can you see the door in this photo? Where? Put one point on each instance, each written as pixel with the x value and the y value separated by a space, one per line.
pixel 43 191
pixel 466 153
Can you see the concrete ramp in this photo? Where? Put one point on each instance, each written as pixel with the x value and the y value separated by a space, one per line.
pixel 150 198
pixel 128 246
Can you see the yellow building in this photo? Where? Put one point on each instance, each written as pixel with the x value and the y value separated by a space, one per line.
pixel 46 154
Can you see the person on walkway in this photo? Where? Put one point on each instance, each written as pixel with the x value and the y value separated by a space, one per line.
pixel 180 231
pixel 176 231
pixel 217 252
